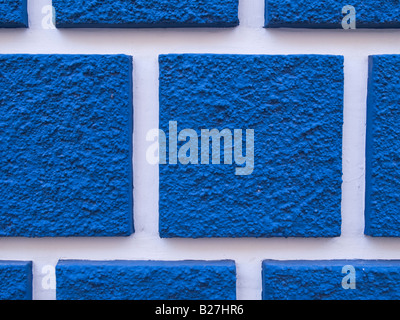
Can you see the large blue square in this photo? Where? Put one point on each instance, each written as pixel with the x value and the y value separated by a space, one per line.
pixel 65 145
pixel 294 104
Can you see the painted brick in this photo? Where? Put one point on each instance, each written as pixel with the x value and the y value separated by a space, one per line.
pixel 16 280
pixel 146 280
pixel 146 13
pixel 295 105
pixel 328 14
pixel 13 14
pixel 66 131
pixel 323 280
pixel 383 144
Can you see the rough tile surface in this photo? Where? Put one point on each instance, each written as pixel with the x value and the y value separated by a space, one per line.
pixel 331 280
pixel 146 13
pixel 13 14
pixel 146 280
pixel 328 14
pixel 294 104
pixel 16 280
pixel 382 213
pixel 65 130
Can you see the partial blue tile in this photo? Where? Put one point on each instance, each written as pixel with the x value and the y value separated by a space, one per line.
pixel 382 213
pixel 146 13
pixel 16 280
pixel 146 280
pixel 13 14
pixel 331 280
pixel 328 14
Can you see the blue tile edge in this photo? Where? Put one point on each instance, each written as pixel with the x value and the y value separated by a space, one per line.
pixel 148 263
pixel 131 132
pixel 25 14
pixel 332 263
pixel 60 25
pixel 368 146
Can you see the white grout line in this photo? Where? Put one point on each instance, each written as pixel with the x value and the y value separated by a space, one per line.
pixel 354 130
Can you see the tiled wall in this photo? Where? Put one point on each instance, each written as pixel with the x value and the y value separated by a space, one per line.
pixel 278 174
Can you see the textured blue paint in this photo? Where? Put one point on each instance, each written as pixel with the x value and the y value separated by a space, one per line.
pixel 382 213
pixel 146 280
pixel 295 106
pixel 15 280
pixel 65 145
pixel 146 13
pixel 328 14
pixel 13 14
pixel 322 280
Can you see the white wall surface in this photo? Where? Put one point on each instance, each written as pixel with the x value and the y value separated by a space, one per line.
pixel 249 38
